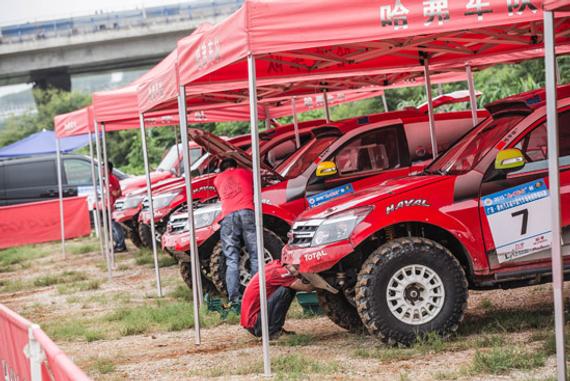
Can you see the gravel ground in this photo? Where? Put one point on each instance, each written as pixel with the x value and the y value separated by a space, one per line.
pixel 320 351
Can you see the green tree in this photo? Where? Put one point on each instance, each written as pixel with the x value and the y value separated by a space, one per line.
pixel 49 103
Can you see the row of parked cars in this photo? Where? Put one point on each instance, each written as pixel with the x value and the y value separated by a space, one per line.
pixel 391 239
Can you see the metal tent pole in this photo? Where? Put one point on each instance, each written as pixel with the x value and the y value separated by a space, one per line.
pixel 194 255
pixel 554 180
pixel 150 206
pixel 472 95
pixel 430 109
pixel 108 199
pixel 105 231
pixel 326 107
pixel 94 182
pixel 60 195
pixel 177 150
pixel 258 211
pixel 295 121
pixel 384 103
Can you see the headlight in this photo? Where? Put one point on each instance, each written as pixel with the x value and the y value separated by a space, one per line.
pixel 162 200
pixel 132 201
pixel 205 216
pixel 339 226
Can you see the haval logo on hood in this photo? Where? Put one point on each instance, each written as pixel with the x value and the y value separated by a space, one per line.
pixel 208 52
pixel 406 203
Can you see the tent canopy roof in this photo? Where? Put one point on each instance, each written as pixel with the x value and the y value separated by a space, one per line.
pixel 316 39
pixel 42 142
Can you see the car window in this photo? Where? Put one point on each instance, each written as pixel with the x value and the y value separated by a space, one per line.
pixel 280 152
pixel 30 174
pixel 534 145
pixel 372 151
pixel 296 164
pixel 77 172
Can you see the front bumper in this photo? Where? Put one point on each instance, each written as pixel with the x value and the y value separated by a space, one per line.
pixel 124 215
pixel 159 214
pixel 180 241
pixel 316 259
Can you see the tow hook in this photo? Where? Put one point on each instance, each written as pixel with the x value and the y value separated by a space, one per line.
pixel 319 282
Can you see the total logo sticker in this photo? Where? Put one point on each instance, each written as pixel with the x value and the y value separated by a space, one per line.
pixel 317 255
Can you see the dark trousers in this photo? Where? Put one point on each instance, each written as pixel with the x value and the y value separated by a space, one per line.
pixel 277 306
pixel 238 226
pixel 118 235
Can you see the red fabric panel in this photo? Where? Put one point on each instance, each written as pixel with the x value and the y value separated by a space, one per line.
pixel 557 5
pixel 13 339
pixel 59 364
pixel 39 221
pixel 77 122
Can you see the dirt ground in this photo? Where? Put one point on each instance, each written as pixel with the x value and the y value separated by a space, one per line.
pixel 505 335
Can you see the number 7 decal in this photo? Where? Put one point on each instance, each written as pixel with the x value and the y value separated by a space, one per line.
pixel 524 214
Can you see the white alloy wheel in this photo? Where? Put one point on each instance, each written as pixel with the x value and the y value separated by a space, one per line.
pixel 415 294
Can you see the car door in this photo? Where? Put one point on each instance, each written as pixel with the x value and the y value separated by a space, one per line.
pixel 30 181
pixel 516 207
pixel 2 187
pixel 77 177
pixel 371 156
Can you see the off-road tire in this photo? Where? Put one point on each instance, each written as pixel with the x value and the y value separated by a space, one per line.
pixel 383 264
pixel 340 311
pixel 135 238
pixel 145 235
pixel 272 243
pixel 186 274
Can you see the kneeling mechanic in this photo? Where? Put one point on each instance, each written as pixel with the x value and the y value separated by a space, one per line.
pixel 282 285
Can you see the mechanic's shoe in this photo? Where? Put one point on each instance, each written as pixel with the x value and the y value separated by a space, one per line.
pixel 285 332
pixel 120 249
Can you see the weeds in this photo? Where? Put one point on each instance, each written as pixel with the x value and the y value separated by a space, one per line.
pixel 500 360
pixel 296 340
pixel 103 366
pixel 19 257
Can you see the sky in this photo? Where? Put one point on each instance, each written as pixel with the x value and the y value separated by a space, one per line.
pixel 22 11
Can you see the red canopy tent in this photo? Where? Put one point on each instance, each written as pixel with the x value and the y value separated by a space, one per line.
pixel 268 43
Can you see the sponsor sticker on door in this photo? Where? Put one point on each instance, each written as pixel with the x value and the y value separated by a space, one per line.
pixel 331 194
pixel 519 219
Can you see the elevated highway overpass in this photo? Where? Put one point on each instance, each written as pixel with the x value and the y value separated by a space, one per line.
pixel 49 56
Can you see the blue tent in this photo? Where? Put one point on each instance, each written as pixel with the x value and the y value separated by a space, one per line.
pixel 42 142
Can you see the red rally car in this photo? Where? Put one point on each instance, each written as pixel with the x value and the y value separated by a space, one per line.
pixel 276 145
pixel 344 157
pixel 398 258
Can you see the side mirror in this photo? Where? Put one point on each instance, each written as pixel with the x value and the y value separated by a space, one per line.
pixel 509 159
pixel 326 168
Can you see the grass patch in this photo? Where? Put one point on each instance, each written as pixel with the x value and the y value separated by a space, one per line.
pixel 70 330
pixel 501 360
pixel 19 257
pixel 296 340
pixel 65 277
pixel 84 248
pixel 12 285
pixel 161 316
pixel 103 366
pixel 166 261
pixel 284 367
pixel 181 292
pixel 507 321
pixel 70 288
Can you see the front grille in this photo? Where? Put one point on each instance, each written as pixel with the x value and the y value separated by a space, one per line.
pixel 177 222
pixel 119 204
pixel 303 232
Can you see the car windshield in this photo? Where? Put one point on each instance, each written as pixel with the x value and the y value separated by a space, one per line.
pixel 172 158
pixel 296 164
pixel 466 153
